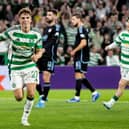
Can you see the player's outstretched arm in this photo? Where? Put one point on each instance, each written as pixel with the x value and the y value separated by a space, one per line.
pixel 111 46
pixel 3 36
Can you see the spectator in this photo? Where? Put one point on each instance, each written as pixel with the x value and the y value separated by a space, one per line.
pixel 60 56
pixel 95 57
pixel 111 59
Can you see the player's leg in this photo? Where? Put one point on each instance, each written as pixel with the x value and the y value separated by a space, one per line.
pixel 48 69
pixel 78 86
pixel 47 84
pixel 87 84
pixel 18 93
pixel 29 103
pixel 46 89
pixel 122 84
pixel 39 87
pixel 31 78
pixel 17 85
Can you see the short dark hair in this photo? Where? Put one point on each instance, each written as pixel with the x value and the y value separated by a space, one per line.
pixel 25 10
pixel 54 11
pixel 77 15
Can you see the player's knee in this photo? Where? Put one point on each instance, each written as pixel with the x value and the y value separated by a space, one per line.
pixel 18 98
pixel 46 76
pixel 30 95
pixel 122 83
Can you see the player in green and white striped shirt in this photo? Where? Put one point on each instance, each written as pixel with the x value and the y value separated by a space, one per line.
pixel 26 45
pixel 123 42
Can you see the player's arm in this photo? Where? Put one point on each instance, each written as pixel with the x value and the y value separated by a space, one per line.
pixel 82 44
pixel 116 43
pixel 39 51
pixel 4 36
pixel 111 46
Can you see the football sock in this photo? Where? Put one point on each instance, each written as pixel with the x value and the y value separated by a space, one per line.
pixel 39 89
pixel 113 100
pixel 46 90
pixel 77 97
pixel 78 87
pixel 95 92
pixel 115 97
pixel 88 84
pixel 28 107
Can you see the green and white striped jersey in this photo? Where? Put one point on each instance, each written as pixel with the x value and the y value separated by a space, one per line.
pixel 122 40
pixel 94 59
pixel 23 46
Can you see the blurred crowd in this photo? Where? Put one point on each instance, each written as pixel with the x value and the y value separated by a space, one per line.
pixel 105 19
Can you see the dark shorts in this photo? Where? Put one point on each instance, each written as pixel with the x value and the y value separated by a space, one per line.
pixel 80 67
pixel 46 65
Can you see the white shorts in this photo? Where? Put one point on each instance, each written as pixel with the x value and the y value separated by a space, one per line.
pixel 124 73
pixel 20 78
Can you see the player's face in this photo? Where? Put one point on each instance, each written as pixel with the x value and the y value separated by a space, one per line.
pixel 50 17
pixel 25 21
pixel 74 21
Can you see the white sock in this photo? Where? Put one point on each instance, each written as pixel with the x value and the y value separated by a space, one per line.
pixel 112 101
pixel 41 96
pixel 41 100
pixel 77 97
pixel 27 109
pixel 95 92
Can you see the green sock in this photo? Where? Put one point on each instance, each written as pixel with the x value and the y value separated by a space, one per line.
pixel 115 97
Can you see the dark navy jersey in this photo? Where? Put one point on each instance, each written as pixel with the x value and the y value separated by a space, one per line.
pixel 83 54
pixel 50 41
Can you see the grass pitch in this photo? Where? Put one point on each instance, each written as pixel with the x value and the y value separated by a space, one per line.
pixel 58 114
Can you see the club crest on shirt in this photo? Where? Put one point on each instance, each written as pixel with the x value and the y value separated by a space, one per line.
pixel 82 35
pixel 17 40
pixel 31 40
pixel 49 30
pixel 13 85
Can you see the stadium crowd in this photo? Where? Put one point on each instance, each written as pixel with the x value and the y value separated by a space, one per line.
pixel 103 18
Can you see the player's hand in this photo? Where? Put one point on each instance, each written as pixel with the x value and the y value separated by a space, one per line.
pixel 106 48
pixel 35 58
pixel 72 53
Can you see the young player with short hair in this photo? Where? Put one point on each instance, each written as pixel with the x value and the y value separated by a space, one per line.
pixel 26 45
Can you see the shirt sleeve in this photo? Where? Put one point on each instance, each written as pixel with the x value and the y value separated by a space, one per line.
pixel 4 36
pixel 39 44
pixel 118 39
pixel 83 33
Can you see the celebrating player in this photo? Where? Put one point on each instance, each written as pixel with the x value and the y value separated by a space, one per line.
pixel 26 45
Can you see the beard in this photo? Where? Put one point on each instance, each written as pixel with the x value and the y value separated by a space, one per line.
pixel 75 25
pixel 49 21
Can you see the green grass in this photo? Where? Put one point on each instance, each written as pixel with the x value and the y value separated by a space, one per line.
pixel 61 115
